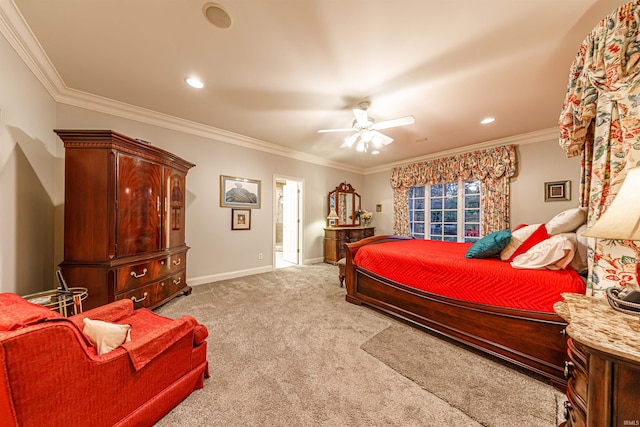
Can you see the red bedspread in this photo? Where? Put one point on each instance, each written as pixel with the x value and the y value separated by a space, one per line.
pixel 441 268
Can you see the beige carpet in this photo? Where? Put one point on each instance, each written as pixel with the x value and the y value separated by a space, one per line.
pixel 478 386
pixel 285 349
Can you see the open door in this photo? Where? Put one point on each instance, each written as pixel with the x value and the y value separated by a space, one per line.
pixel 291 222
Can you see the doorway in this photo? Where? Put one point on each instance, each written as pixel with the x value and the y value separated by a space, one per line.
pixel 288 221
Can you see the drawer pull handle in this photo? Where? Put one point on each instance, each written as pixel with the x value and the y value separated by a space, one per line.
pixel 137 276
pixel 134 299
pixel 177 262
pixel 567 410
pixel 568 367
pixel 177 281
pixel 563 332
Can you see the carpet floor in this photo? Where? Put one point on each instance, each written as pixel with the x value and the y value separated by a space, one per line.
pixel 286 349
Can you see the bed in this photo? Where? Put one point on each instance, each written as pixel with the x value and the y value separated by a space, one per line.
pixel 487 304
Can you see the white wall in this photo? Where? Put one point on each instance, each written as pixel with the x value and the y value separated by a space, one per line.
pixel 377 190
pixel 29 178
pixel 537 163
pixel 216 251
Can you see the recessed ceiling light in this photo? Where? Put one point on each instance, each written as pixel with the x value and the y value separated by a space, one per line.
pixel 194 82
pixel 488 120
pixel 375 152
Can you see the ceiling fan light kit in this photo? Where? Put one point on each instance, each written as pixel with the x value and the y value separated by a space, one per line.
pixel 366 129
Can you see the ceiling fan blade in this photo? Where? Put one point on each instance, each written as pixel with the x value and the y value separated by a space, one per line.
pixel 402 121
pixel 361 116
pixel 380 139
pixel 336 130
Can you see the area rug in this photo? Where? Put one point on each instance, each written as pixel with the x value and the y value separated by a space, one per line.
pixel 478 386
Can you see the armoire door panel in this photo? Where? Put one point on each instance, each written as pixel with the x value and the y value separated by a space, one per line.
pixel 139 205
pixel 174 207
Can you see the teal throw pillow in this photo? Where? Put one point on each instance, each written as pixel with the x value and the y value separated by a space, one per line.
pixel 489 245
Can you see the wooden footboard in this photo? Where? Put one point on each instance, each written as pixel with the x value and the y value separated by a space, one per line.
pixel 533 340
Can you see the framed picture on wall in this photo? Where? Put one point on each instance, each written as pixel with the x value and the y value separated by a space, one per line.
pixel 238 192
pixel 557 191
pixel 241 219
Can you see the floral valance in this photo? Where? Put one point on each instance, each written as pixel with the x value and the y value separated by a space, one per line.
pixel 607 66
pixel 480 164
pixel 492 166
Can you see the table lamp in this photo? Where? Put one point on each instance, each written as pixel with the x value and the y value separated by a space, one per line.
pixel 333 216
pixel 621 221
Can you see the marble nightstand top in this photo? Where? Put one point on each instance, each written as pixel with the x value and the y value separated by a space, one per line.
pixel 593 323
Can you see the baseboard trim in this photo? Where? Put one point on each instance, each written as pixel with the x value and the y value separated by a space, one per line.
pixel 195 281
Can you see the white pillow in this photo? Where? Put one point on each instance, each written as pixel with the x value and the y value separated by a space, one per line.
pixel 554 253
pixel 106 336
pixel 517 238
pixel 567 221
pixel 580 260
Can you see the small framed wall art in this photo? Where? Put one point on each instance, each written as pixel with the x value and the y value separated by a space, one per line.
pixel 238 192
pixel 241 219
pixel 557 191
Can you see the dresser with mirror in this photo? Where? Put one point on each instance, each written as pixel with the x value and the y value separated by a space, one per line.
pixel 344 224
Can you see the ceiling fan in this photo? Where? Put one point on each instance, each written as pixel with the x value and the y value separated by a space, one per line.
pixel 366 129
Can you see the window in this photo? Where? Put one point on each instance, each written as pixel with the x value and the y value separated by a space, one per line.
pixel 449 212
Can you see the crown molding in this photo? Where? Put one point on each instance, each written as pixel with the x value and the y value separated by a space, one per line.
pixel 24 43
pixel 112 107
pixel 522 139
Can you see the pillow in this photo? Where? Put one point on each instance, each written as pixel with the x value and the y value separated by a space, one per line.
pixel 489 245
pixel 106 336
pixel 518 227
pixel 567 221
pixel 554 253
pixel 580 260
pixel 522 240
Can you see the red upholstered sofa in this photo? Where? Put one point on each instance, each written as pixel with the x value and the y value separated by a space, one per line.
pixel 50 374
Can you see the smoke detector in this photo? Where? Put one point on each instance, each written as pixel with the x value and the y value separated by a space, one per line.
pixel 217 15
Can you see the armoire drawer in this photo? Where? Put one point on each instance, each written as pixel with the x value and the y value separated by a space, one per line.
pixel 135 275
pixel 150 295
pixel 177 262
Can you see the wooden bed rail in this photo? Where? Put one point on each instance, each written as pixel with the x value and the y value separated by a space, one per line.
pixel 350 253
pixel 533 340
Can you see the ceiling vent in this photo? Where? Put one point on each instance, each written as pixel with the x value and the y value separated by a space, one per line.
pixel 217 15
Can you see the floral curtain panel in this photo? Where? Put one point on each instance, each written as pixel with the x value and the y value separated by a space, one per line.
pixel 600 121
pixel 493 166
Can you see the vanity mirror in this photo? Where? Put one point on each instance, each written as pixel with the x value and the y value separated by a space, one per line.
pixel 344 225
pixel 344 202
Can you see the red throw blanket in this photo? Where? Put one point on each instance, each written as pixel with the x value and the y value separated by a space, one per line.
pixel 441 268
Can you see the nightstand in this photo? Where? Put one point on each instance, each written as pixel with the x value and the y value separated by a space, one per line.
pixel 603 366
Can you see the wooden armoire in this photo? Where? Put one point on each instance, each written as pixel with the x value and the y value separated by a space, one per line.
pixel 124 219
